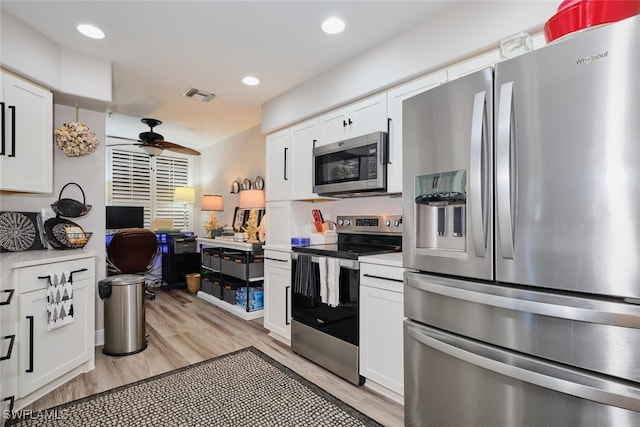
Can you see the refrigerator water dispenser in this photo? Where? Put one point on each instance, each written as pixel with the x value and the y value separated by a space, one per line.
pixel 440 201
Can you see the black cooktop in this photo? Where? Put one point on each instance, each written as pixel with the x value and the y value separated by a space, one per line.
pixel 351 246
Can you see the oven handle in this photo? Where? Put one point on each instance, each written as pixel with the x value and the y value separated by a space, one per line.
pixel 349 264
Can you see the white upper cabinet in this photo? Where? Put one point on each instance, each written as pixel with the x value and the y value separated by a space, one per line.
pixel 395 98
pixel 278 167
pixel 26 146
pixel 303 138
pixel 360 118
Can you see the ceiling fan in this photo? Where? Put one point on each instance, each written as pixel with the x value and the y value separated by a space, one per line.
pixel 153 143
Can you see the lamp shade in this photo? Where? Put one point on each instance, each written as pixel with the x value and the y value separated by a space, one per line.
pixel 212 202
pixel 184 194
pixel 251 199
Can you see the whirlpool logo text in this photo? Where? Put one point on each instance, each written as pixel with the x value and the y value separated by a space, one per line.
pixel 586 60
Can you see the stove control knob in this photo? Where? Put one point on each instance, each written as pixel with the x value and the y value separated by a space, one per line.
pixel 397 222
pixel 387 222
pixel 340 222
pixel 347 222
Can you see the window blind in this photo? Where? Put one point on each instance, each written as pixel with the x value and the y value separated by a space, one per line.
pixel 135 179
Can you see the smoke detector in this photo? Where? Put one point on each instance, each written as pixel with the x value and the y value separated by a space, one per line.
pixel 199 94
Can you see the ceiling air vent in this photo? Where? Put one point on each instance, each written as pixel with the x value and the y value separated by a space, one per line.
pixel 199 95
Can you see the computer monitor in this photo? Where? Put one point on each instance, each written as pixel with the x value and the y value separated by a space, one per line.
pixel 124 217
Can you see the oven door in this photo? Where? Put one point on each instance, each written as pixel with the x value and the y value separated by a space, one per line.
pixel 339 321
pixel 354 165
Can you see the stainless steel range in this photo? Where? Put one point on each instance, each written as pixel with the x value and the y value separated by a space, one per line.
pixel 326 282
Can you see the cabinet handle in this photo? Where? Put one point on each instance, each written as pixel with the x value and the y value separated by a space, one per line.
pixel 11 400
pixel 12 338
pixel 285 163
pixel 286 305
pixel 8 301
pixel 30 368
pixel 382 278
pixel 13 130
pixel 344 123
pixel 276 259
pixel 350 122
pixel 2 137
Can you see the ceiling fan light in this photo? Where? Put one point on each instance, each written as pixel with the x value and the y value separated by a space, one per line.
pixel 151 150
pixel 91 31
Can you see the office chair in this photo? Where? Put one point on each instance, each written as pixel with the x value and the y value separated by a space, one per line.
pixel 132 251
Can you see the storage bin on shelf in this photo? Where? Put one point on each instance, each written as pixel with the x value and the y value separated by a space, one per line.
pixel 256 298
pixel 211 258
pixel 235 264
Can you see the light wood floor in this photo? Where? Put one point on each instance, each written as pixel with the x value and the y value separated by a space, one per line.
pixel 183 330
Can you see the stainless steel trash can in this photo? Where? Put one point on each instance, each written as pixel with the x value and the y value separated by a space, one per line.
pixel 124 319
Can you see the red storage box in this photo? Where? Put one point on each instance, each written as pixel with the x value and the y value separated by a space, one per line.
pixel 576 15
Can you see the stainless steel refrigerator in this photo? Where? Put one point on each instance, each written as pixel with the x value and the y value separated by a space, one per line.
pixel 522 236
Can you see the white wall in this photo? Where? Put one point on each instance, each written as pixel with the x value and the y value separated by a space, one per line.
pixel 236 158
pixel 461 31
pixel 88 172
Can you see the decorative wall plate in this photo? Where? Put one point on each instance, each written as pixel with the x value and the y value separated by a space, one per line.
pixel 20 231
pixel 235 187
pixel 259 183
pixel 246 184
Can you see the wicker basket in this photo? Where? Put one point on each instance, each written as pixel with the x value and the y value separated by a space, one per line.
pixel 64 234
pixel 193 282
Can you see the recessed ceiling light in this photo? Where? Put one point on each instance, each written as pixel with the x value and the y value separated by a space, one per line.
pixel 91 31
pixel 333 25
pixel 251 81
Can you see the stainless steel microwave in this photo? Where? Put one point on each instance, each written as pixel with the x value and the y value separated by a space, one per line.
pixel 356 166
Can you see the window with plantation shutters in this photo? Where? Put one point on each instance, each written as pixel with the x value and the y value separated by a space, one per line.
pixel 135 179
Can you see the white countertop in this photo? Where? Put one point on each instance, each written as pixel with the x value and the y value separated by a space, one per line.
pixel 229 243
pixel 393 259
pixel 11 260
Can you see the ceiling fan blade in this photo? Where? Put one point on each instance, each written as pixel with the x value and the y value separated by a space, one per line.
pixel 171 146
pixel 122 137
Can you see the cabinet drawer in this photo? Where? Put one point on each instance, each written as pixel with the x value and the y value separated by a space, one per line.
pixel 381 271
pixel 28 277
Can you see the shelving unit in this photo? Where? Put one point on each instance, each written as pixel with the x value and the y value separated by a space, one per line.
pixel 228 266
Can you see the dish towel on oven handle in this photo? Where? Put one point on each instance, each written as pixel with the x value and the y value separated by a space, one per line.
pixel 304 282
pixel 60 310
pixel 324 290
pixel 333 282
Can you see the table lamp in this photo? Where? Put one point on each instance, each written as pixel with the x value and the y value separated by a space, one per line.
pixel 184 195
pixel 212 203
pixel 252 199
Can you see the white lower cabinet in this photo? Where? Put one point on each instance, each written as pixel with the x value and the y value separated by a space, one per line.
pixel 277 294
pixel 42 359
pixel 381 316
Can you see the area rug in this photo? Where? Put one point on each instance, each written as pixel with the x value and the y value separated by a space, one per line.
pixel 243 388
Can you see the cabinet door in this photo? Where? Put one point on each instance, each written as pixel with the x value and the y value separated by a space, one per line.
pixel 381 346
pixel 303 137
pixel 27 162
pixel 278 182
pixel 368 116
pixel 360 118
pixel 8 345
pixel 335 126
pixel 277 299
pixel 279 225
pixel 46 355
pixel 395 98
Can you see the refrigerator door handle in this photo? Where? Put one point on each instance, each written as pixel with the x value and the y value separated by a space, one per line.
pixel 527 369
pixel 505 170
pixel 477 175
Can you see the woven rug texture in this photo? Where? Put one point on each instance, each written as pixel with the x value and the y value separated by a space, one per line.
pixel 243 388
